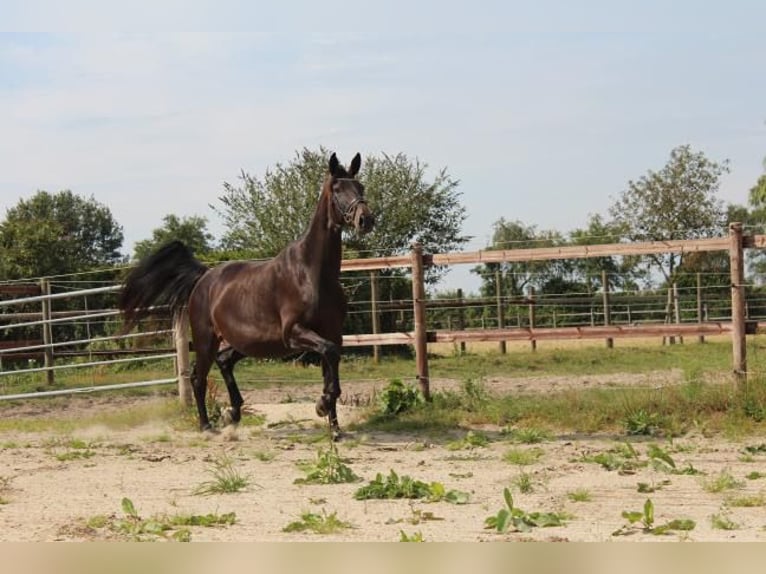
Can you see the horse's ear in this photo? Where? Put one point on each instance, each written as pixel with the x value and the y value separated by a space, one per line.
pixel 356 163
pixel 333 164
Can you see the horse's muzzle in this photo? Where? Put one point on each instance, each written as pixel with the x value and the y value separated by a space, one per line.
pixel 365 221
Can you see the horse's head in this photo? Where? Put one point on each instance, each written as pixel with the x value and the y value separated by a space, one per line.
pixel 348 206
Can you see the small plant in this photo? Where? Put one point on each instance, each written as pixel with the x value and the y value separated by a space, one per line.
pixel 133 527
pixel 722 522
pixel 524 483
pixel 523 457
pixel 470 441
pixel 579 495
pixel 646 518
pixel 394 486
pixel 622 458
pixel 751 501
pixel 512 518
pixel 755 475
pixel 723 481
pixel 328 469
pixel 660 458
pixel 396 397
pixel 688 470
pixel 5 487
pixel 318 523
pixel 529 435
pixel 646 488
pixel 414 537
pixel 265 455
pixel 641 422
pixel 226 479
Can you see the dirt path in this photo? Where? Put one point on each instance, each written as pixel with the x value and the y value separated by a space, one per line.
pixel 52 485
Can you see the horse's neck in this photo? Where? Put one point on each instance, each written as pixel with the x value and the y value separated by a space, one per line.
pixel 322 241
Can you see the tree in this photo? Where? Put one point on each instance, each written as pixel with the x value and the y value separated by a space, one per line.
pixel 57 234
pixel 264 214
pixel 191 230
pixel 515 277
pixel 677 202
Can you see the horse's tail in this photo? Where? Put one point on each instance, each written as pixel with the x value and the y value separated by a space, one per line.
pixel 166 277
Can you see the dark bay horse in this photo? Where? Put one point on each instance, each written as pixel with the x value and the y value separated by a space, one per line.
pixel 291 303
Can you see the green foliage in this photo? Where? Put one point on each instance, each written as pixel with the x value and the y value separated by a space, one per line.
pixel 524 482
pixel 721 482
pixel 329 468
pixel 393 486
pixel 318 523
pixel 515 519
pixel 226 479
pixel 397 397
pixel 57 233
pixel 414 537
pixel 640 422
pixel 528 435
pixel 471 440
pixel 722 522
pixel 580 495
pixel 646 519
pixel 190 230
pixel 523 457
pixel 677 202
pixel 133 527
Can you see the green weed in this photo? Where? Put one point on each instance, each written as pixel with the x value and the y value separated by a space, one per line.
pixel 523 457
pixel 515 519
pixel 721 482
pixel 318 523
pixel 646 519
pixel 471 440
pixel 226 479
pixel 394 486
pixel 396 397
pixel 579 495
pixel 329 468
pixel 414 537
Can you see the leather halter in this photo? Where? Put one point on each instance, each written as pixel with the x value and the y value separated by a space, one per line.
pixel 348 212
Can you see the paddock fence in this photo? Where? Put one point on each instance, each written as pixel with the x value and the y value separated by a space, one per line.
pixel 93 338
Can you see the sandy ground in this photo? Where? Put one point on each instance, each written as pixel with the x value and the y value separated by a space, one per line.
pixel 50 494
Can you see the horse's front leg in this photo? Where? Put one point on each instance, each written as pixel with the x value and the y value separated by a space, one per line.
pixel 303 339
pixel 327 403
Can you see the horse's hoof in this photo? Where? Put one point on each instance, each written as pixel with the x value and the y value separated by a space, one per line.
pixel 336 434
pixel 323 408
pixel 209 430
pixel 228 417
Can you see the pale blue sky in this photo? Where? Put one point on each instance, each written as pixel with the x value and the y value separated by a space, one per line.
pixel 543 110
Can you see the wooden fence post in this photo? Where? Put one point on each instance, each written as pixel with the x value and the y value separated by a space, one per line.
pixel 532 316
pixel 700 338
pixel 736 259
pixel 677 310
pixel 500 312
pixel 461 318
pixel 607 308
pixel 375 315
pixel 181 337
pixel 45 289
pixel 419 309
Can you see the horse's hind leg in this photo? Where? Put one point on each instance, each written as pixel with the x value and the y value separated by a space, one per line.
pixel 226 360
pixel 204 360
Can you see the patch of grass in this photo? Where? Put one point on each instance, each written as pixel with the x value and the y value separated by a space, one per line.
pixel 722 522
pixel 133 527
pixel 471 440
pixel 749 501
pixel 414 537
pixel 524 482
pixel 528 435
pixel 523 457
pixel 622 458
pixel 647 488
pixel 515 519
pixel 329 468
pixel 580 495
pixel 394 486
pixel 318 523
pixel 226 479
pixel 721 482
pixel 755 475
pixel 265 455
